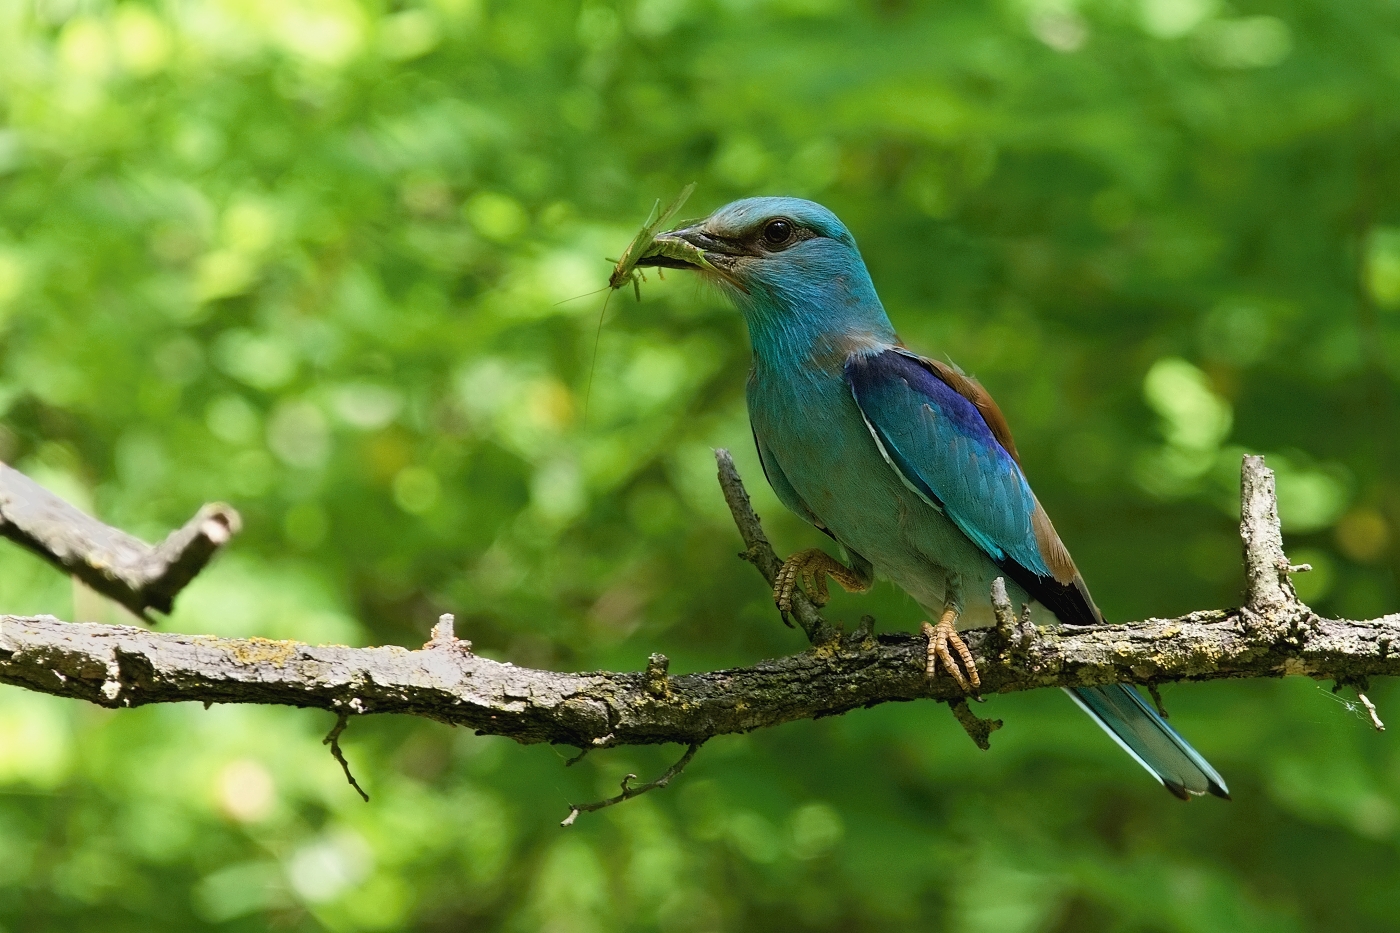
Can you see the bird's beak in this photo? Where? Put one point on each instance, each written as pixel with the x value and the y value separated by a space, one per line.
pixel 686 248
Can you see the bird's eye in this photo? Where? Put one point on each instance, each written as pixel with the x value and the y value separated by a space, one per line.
pixel 777 232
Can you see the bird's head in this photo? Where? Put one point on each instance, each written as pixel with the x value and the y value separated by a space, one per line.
pixel 784 261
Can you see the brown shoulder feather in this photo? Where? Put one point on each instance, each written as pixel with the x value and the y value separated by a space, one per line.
pixel 1052 549
pixel 972 390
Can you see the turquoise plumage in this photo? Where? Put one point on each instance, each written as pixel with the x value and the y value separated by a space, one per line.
pixel 904 461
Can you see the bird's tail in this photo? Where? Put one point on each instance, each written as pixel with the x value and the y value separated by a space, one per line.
pixel 1134 725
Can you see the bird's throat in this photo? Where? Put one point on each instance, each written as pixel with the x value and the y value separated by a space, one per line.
pixel 813 336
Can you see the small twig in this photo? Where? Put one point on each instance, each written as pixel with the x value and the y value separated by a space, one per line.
pixel 1026 632
pixel 864 635
pixel 333 740
pixel 112 562
pixel 1268 590
pixel 657 666
pixel 1371 708
pixel 977 728
pixel 445 635
pixel 1013 634
pixel 1005 615
pixel 445 631
pixel 628 791
pixel 1157 700
pixel 759 552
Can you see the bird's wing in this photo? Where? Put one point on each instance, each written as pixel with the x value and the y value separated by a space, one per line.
pixel 948 441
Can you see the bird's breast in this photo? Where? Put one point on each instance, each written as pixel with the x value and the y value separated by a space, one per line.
pixel 810 426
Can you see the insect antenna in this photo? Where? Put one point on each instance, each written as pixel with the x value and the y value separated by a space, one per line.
pixel 593 363
pixel 577 297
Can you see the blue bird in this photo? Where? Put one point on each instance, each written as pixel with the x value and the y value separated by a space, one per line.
pixel 904 461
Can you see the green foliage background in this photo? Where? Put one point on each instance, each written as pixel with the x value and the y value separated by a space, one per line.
pixel 313 257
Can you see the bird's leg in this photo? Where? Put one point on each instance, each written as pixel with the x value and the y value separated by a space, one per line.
pixel 945 634
pixel 812 567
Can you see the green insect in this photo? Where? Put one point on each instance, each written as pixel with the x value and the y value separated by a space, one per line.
pixel 644 245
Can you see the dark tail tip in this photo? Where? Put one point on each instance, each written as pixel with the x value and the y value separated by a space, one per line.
pixel 1178 791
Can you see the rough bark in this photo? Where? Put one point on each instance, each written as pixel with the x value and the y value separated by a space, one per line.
pixel 1272 636
pixel 112 562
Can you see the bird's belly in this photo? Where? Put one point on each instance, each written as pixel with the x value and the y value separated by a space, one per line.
pixel 833 464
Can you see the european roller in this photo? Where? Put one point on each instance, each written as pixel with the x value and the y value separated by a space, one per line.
pixel 904 461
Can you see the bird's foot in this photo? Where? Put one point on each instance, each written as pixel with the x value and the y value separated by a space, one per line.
pixel 812 567
pixel 940 638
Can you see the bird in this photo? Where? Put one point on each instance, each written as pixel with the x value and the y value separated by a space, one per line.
pixel 904 461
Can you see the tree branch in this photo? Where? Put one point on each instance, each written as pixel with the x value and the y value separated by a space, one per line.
pixel 112 562
pixel 1273 636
